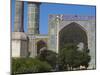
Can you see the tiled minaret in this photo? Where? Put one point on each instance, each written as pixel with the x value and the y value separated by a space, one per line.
pixel 19 16
pixel 33 25
pixel 33 17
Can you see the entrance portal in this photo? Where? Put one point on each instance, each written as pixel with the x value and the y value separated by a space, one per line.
pixel 73 33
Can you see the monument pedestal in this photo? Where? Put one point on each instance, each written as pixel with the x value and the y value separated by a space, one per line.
pixel 19 44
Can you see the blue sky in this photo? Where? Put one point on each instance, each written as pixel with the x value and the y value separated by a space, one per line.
pixel 52 8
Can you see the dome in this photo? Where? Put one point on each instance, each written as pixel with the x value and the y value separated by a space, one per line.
pixel 19 36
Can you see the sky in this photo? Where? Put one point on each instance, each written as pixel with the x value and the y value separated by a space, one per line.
pixel 53 8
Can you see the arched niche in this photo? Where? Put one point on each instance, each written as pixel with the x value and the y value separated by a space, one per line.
pixel 73 33
pixel 41 45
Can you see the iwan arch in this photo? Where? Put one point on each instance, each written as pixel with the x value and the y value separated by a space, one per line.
pixel 74 28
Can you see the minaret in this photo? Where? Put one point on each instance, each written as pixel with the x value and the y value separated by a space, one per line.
pixel 19 38
pixel 19 16
pixel 33 25
pixel 33 17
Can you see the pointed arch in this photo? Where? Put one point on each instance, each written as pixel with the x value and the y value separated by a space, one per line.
pixel 40 45
pixel 73 33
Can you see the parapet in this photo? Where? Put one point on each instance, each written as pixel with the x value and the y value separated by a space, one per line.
pixel 65 17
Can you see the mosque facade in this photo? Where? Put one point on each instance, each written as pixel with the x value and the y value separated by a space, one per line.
pixel 77 29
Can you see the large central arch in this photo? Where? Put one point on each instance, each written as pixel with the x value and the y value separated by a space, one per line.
pixel 72 33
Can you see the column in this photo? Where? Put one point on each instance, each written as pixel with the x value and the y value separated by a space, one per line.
pixel 19 16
